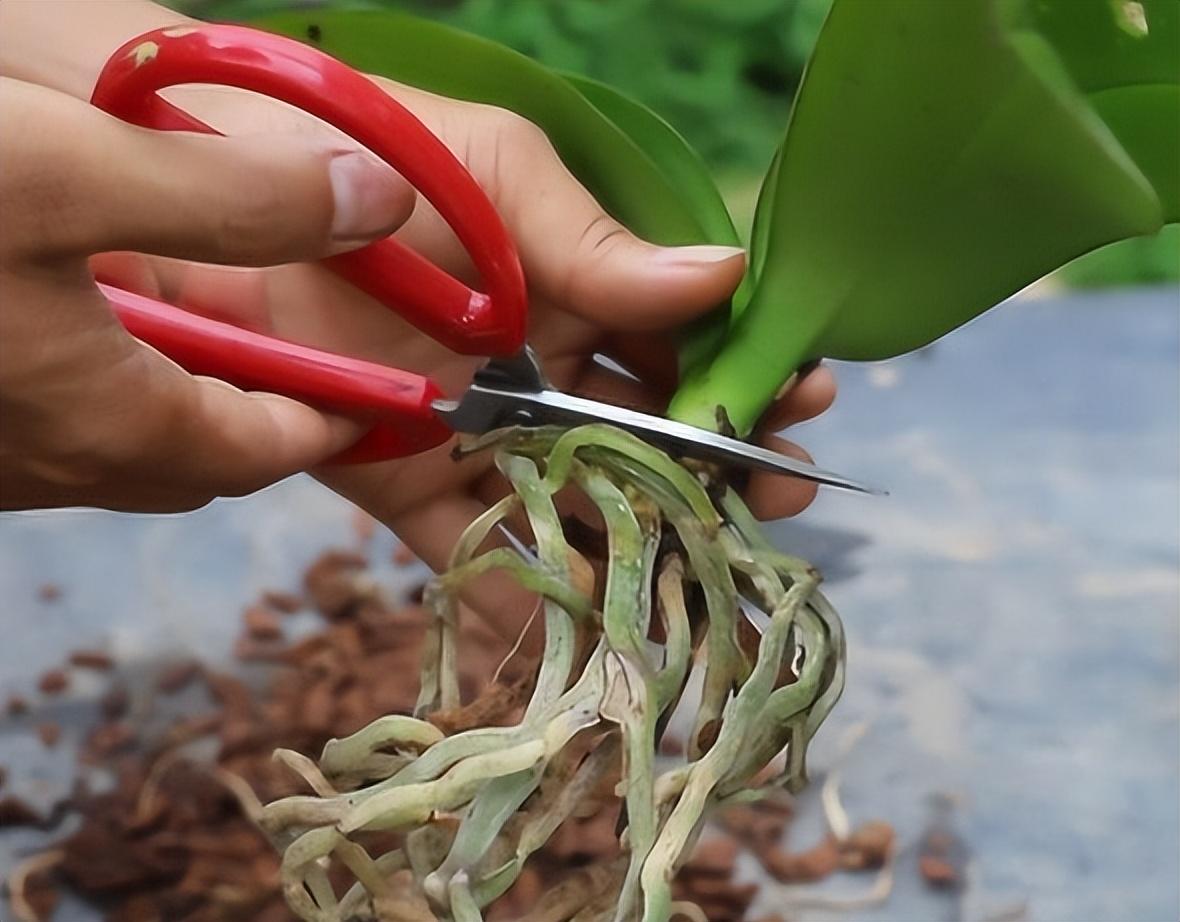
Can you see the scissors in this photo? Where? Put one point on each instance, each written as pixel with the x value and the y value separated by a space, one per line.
pixel 410 413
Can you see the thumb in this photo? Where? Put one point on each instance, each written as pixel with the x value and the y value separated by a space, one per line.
pixel 250 201
pixel 580 258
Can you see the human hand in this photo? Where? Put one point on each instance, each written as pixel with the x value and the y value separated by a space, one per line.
pixel 88 415
pixel 595 290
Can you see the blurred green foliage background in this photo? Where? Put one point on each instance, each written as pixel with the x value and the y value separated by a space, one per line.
pixel 723 72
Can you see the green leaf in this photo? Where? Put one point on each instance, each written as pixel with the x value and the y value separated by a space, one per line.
pixel 703 339
pixel 626 177
pixel 1109 43
pixel 668 151
pixel 1124 55
pixel 1146 120
pixel 760 232
pixel 1136 261
pixel 939 158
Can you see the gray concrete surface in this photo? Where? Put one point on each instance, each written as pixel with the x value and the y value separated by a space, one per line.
pixel 1013 609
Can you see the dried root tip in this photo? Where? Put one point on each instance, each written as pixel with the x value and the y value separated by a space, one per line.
pixel 341 756
pixel 686 910
pixel 306 769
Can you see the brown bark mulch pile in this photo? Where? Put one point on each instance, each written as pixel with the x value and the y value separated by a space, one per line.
pixel 173 841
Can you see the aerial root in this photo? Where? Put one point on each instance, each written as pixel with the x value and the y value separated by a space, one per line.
pixel 472 802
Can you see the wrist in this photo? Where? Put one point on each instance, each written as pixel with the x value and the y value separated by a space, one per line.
pixel 63 45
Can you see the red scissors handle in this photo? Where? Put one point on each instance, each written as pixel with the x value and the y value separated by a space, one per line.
pixel 398 402
pixel 465 321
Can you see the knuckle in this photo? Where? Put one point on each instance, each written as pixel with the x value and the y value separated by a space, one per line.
pixel 247 224
pixel 518 132
pixel 601 236
pixel 513 151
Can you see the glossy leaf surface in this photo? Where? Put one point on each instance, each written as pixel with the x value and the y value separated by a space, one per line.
pixel 1124 55
pixel 939 159
pixel 668 151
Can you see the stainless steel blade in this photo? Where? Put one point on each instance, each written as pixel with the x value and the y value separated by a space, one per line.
pixel 515 393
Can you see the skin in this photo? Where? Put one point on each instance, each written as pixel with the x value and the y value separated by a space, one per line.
pixel 92 417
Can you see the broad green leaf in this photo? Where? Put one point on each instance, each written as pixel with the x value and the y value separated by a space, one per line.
pixel 1136 261
pixel 1146 120
pixel 620 173
pixel 668 151
pixel 760 232
pixel 939 159
pixel 703 339
pixel 1109 43
pixel 1124 55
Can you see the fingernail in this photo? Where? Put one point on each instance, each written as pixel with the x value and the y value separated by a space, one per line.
pixel 368 196
pixel 695 255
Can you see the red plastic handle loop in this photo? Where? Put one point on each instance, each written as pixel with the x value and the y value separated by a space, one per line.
pixel 398 402
pixel 463 320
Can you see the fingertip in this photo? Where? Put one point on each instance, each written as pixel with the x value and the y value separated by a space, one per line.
pixel 806 398
pixel 770 501
pixel 817 389
pixel 773 496
pixel 687 281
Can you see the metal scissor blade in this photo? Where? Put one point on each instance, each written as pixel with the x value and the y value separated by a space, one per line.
pixel 515 393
